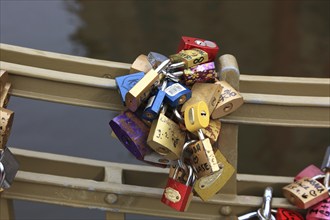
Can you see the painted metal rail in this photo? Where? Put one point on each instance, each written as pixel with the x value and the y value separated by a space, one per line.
pixel 122 188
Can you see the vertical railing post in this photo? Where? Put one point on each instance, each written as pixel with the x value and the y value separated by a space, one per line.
pixel 6 209
pixel 113 175
pixel 115 216
pixel 228 141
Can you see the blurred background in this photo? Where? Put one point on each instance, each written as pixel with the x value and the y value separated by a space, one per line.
pixel 276 38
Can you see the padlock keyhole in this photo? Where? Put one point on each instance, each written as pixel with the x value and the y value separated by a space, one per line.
pixel 203 114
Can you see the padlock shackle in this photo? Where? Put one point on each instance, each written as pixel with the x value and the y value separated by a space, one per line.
pixel 326 161
pixel 185 146
pixel 163 66
pixel 200 134
pixel 265 212
pixel 3 174
pixel 178 115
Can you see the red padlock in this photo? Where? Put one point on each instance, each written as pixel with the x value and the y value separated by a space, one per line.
pixel 320 211
pixel 191 42
pixel 178 195
pixel 286 214
pixel 309 171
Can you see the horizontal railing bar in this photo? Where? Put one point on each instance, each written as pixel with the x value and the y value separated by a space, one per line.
pixel 304 86
pixel 99 82
pixel 58 76
pixel 138 199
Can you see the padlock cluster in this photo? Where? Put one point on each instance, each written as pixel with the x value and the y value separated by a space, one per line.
pixel 8 164
pixel 174 104
pixel 309 192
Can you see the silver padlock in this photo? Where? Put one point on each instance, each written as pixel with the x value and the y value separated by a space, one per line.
pixel 8 168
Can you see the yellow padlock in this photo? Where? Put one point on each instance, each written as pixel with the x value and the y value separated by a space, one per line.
pixel 196 116
pixel 206 187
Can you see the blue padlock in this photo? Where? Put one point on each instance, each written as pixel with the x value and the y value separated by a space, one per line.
pixel 126 82
pixel 176 94
pixel 155 103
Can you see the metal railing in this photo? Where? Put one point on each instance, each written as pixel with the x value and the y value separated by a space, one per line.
pixel 122 188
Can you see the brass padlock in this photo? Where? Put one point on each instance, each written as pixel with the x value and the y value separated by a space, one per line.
pixel 207 92
pixel 208 186
pixel 203 158
pixel 230 100
pixel 4 89
pixel 166 137
pixel 6 121
pixel 188 58
pixel 141 64
pixel 305 192
pixel 141 89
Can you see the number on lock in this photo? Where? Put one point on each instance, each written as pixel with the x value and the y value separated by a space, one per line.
pixel 188 58
pixel 166 137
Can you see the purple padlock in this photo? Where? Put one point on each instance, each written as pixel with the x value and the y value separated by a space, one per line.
pixel 309 171
pixel 320 211
pixel 132 133
pixel 203 73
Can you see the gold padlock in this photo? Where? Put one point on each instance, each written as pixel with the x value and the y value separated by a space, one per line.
pixel 6 121
pixel 166 138
pixel 4 89
pixel 141 89
pixel 203 159
pixel 208 186
pixel 305 192
pixel 230 100
pixel 140 64
pixel 207 92
pixel 196 116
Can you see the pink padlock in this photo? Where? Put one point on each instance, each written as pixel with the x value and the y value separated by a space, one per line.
pixel 320 211
pixel 309 171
